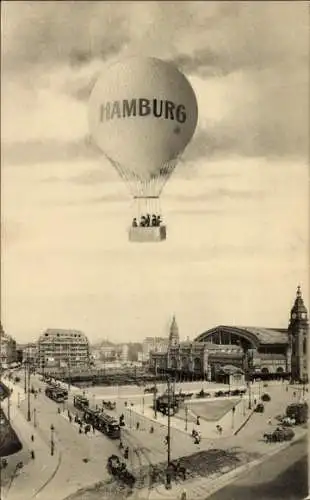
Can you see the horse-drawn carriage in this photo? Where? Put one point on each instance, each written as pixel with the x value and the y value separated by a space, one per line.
pixel 119 471
pixel 279 434
pixel 109 405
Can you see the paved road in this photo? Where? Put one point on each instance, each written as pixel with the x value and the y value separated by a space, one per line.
pixel 281 477
pixel 73 473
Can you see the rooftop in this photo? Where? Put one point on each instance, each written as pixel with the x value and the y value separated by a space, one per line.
pixel 255 334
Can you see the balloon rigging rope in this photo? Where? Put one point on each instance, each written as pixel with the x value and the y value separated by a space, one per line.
pixel 142 188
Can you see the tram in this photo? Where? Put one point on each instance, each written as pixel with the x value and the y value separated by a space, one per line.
pixel 102 422
pixel 80 402
pixel 56 394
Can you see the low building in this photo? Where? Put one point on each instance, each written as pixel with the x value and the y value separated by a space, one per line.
pixel 8 353
pixel 59 348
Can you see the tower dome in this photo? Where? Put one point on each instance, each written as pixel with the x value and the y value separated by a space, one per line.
pixel 299 310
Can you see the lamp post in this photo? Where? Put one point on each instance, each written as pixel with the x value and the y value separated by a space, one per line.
pixel 52 439
pixel 168 477
pixel 250 395
pixel 69 368
pixel 155 392
pixel 28 397
pixel 233 417
pixel 25 380
pixel 130 420
pixel 186 416
pixel 9 407
pixel 143 402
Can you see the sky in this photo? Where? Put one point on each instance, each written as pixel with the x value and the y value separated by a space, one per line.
pixel 236 207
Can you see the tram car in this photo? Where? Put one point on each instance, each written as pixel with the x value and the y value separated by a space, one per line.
pixel 55 393
pixel 80 402
pixel 103 423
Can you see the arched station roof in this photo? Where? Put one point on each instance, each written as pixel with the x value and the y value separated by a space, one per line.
pixel 255 335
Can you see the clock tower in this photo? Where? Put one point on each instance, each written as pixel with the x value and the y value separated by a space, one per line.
pixel 298 331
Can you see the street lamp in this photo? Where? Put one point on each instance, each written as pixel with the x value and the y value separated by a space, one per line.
pixel 28 406
pixel 186 416
pixel 25 380
pixel 233 417
pixel 52 439
pixel 9 407
pixel 143 401
pixel 249 388
pixel 168 476
pixel 155 392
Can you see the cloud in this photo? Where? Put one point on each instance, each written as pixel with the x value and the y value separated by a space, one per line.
pixel 248 64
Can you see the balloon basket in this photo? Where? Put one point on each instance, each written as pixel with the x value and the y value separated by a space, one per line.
pixel 147 234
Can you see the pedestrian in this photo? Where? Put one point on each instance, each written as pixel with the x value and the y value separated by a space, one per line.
pixel 137 425
pixel 183 494
pixel 32 437
pixel 32 454
pixel 269 421
pixel 126 452
pixel 151 429
pixel 198 421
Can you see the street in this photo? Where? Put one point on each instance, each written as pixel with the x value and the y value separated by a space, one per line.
pixel 82 458
pixel 281 477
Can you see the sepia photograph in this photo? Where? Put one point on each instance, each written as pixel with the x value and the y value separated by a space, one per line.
pixel 154 250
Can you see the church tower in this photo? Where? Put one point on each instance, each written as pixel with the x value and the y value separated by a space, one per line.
pixel 174 338
pixel 298 331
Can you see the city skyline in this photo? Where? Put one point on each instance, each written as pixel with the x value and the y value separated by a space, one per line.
pixel 236 207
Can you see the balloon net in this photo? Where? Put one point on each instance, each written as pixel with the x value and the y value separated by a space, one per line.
pixel 146 191
pixel 149 186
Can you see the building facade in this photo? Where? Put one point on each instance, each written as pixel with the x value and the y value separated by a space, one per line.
pixel 29 352
pixel 8 353
pixel 58 348
pixel 153 344
pixel 257 352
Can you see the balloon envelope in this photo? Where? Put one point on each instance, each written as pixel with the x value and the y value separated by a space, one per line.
pixel 142 114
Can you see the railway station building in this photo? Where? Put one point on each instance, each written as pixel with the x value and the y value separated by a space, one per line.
pixel 254 352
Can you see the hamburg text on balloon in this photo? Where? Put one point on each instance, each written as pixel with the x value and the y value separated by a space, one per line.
pixel 142 107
